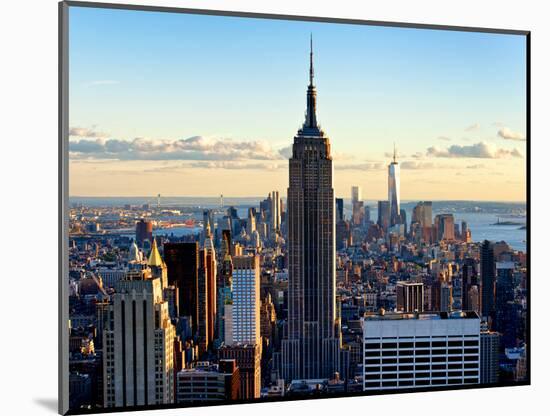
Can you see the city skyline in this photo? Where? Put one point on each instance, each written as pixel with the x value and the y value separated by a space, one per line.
pixel 193 302
pixel 452 144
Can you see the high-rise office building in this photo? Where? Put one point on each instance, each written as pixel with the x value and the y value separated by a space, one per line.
pixel 357 209
pixel 275 211
pixel 422 213
pixel 138 362
pixel 470 279
pixel 420 350
pixel 207 383
pixel 358 213
pixel 248 358
pixel 144 232
pixel 506 318
pixel 393 190
pixel 410 297
pixel 339 209
pixel 311 345
pixel 355 194
pixel 243 314
pixel 211 270
pixel 182 262
pixel 445 226
pixel 489 353
pixel 488 280
pixel 384 214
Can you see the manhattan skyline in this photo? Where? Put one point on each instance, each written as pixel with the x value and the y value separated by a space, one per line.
pixel 183 118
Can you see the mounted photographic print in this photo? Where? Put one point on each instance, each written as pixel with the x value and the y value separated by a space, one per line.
pixel 263 208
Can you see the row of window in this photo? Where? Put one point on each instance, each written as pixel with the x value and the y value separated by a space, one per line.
pixel 374 353
pixel 421 359
pixel 419 383
pixel 435 374
pixel 421 344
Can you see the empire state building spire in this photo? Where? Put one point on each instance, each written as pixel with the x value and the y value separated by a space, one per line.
pixel 311 60
pixel 311 116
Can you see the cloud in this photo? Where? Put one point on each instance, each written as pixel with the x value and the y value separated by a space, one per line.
pixel 286 152
pixel 444 138
pixel 86 132
pixel 237 165
pixel 360 166
pixel 476 166
pixel 479 150
pixel 415 165
pixel 508 134
pixel 472 127
pixel 192 148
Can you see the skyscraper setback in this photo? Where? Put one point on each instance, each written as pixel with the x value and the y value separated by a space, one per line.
pixel 311 345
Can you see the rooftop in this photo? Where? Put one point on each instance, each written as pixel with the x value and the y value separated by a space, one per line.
pixel 421 316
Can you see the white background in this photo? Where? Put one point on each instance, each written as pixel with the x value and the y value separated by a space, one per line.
pixel 28 134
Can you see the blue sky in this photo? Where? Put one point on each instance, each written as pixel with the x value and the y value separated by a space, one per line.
pixel 163 77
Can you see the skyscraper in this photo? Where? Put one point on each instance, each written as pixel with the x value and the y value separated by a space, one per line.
pixel 384 214
pixel 410 297
pixel 138 366
pixel 339 209
pixel 245 308
pixel 470 280
pixel 445 226
pixel 489 350
pixel 144 232
pixel 248 358
pixel 182 261
pixel 355 194
pixel 488 279
pixel 311 345
pixel 393 190
pixel 275 211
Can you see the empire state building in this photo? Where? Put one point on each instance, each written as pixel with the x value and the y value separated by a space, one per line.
pixel 311 345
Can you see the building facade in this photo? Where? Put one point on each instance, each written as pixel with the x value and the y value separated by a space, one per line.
pixel 138 364
pixel 420 350
pixel 310 348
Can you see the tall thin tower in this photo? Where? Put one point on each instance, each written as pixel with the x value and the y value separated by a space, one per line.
pixel 393 189
pixel 310 348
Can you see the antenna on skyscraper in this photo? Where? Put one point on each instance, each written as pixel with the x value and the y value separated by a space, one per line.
pixel 311 59
pixel 158 201
pixel 221 201
pixel 394 153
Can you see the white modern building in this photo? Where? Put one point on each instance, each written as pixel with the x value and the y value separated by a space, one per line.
pixel 420 350
pixel 393 190
pixel 242 317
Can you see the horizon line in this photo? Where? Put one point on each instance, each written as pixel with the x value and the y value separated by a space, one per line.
pixel 154 197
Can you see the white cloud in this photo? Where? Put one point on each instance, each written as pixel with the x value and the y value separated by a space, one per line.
pixel 237 165
pixel 444 138
pixel 481 150
pixel 508 134
pixel 415 165
pixel 192 148
pixel 473 127
pixel 360 166
pixel 86 132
